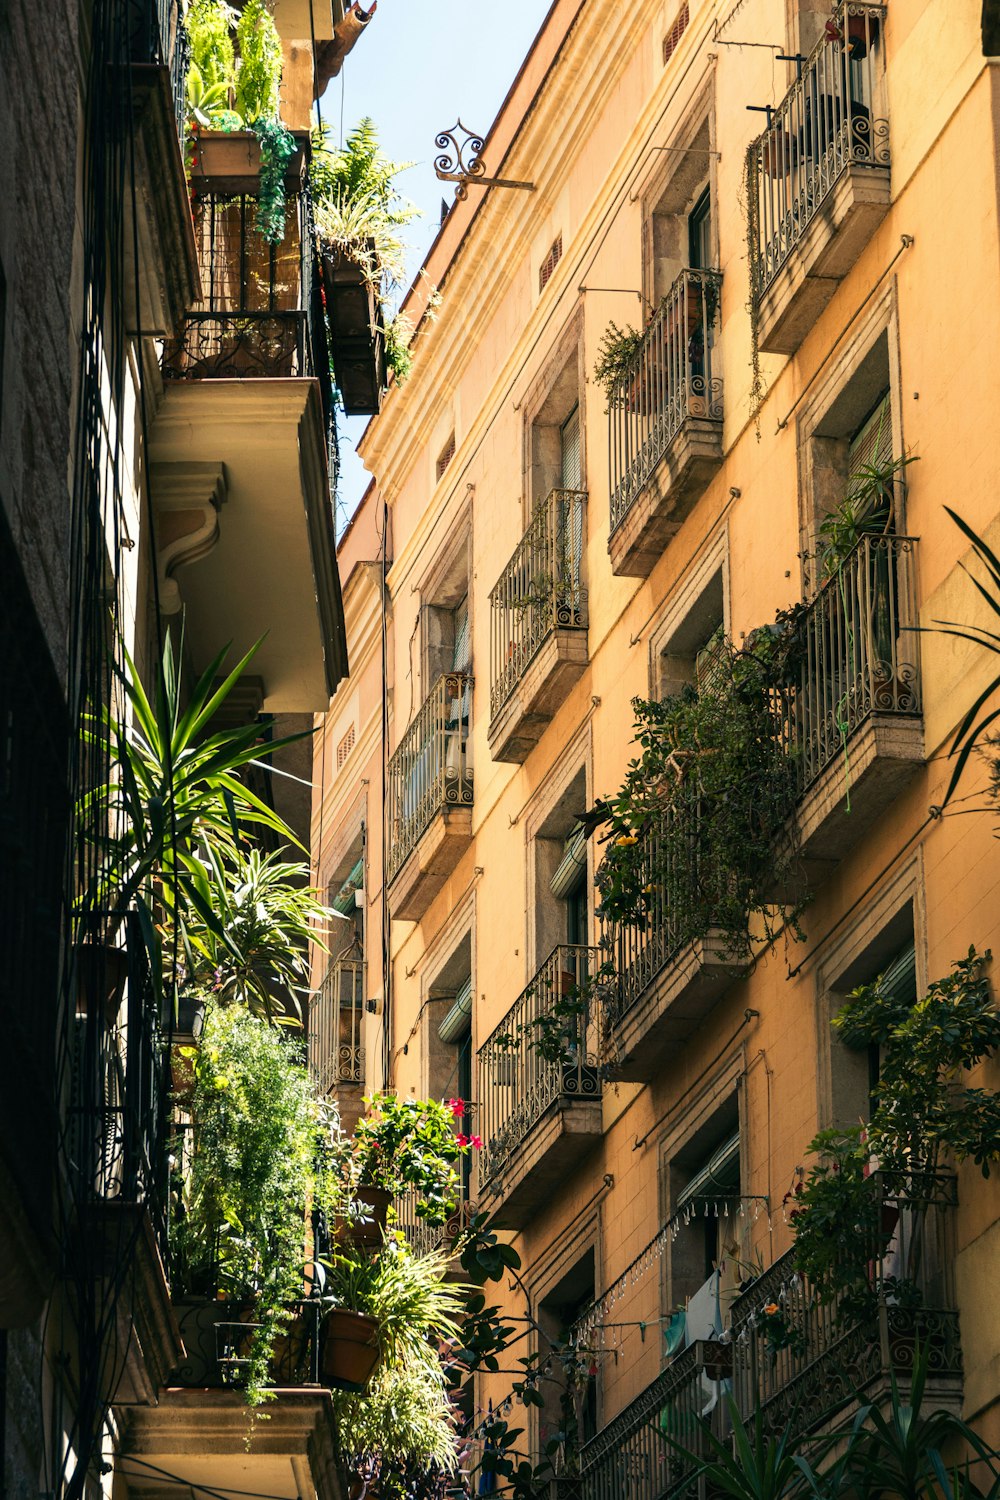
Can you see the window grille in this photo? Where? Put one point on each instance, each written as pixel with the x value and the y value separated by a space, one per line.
pixel 549 264
pixel 673 36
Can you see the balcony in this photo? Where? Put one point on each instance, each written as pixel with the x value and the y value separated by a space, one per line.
pixel 116 1142
pixel 854 727
pixel 538 610
pixel 539 1087
pixel 665 421
pixel 429 801
pixel 160 277
pixel 422 1237
pixel 666 983
pixel 836 1361
pixel 818 177
pixel 357 337
pixel 336 1015
pixel 199 1431
pixel 240 485
pixel 631 1455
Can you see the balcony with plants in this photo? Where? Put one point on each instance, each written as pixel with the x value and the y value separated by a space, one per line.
pixel 865 1299
pixel 817 179
pixel 160 271
pixel 699 864
pixel 538 625
pixel 335 1026
pixel 429 797
pixel 539 1087
pixel 853 725
pixel 664 391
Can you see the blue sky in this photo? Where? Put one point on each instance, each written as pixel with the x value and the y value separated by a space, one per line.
pixel 417 69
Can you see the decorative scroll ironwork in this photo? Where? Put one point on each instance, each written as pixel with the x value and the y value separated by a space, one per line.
pixel 539 1054
pixel 832 1359
pixel 671 379
pixel 238 346
pixel 540 590
pixel 858 653
pixel 336 1014
pixel 423 1237
pixel 118 1104
pixel 832 118
pixel 452 166
pixel 431 768
pixel 217 1337
pixel 632 1456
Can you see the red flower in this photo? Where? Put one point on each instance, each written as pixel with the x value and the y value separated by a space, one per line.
pixel 476 1143
pixel 461 1140
pixel 457 1107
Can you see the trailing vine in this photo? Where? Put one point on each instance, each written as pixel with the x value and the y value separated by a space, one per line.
pixel 277 146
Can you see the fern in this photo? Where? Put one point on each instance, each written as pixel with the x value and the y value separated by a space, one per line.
pixel 209 24
pixel 258 81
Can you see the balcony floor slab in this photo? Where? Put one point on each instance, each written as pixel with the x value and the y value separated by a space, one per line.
pixel 567 1131
pixel 829 247
pixel 519 724
pixel 666 499
pixel 882 757
pixel 671 1007
pixel 424 873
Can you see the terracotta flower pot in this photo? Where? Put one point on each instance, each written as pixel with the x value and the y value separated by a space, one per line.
pixel 101 973
pixel 367 1232
pixel 350 1350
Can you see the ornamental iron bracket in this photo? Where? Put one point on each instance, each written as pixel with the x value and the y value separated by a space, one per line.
pixel 451 165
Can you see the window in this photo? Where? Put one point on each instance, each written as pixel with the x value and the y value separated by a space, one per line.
pixel 449 1041
pixel 704 1190
pixel 854 1073
pixel 554 430
pixel 558 1310
pixel 562 878
pixel 690 652
pixel 675 33
pixel 679 224
pixel 445 457
pixel 549 264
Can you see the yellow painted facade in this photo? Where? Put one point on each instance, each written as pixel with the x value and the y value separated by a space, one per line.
pixel 613 138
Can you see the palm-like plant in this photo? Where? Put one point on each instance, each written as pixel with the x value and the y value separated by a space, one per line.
pixel 173 792
pixel 356 207
pixel 265 915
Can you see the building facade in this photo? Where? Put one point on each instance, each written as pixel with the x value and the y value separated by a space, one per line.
pixel 165 415
pixel 768 197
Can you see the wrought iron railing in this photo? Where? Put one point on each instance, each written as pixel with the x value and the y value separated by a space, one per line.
pixel 261 316
pixel 672 881
pixel 672 376
pixel 545 1048
pixel 218 1337
pixel 833 117
pixel 799 1356
pixel 423 1237
pixel 117 1134
pixel 858 650
pixel 431 768
pixel 336 1017
pixel 633 1456
pixel 540 590
pixel 158 37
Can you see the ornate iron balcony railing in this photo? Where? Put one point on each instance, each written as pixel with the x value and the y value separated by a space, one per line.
pixel 157 37
pixel 217 1342
pixel 859 654
pixel 540 590
pixel 672 880
pixel 545 1048
pixel 261 316
pixel 673 376
pixel 118 1102
pixel 336 1015
pixel 632 1456
pixel 832 118
pixel 831 1354
pixel 423 1237
pixel 431 768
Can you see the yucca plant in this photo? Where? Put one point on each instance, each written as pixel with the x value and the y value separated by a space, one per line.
pixel 173 793
pixel 265 916
pixel 415 1306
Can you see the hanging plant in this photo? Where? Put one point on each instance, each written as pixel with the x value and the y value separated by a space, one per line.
pixel 277 147
pixel 258 77
pixel 357 209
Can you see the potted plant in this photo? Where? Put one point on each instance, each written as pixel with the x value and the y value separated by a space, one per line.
pixel 617 371
pixel 399 1144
